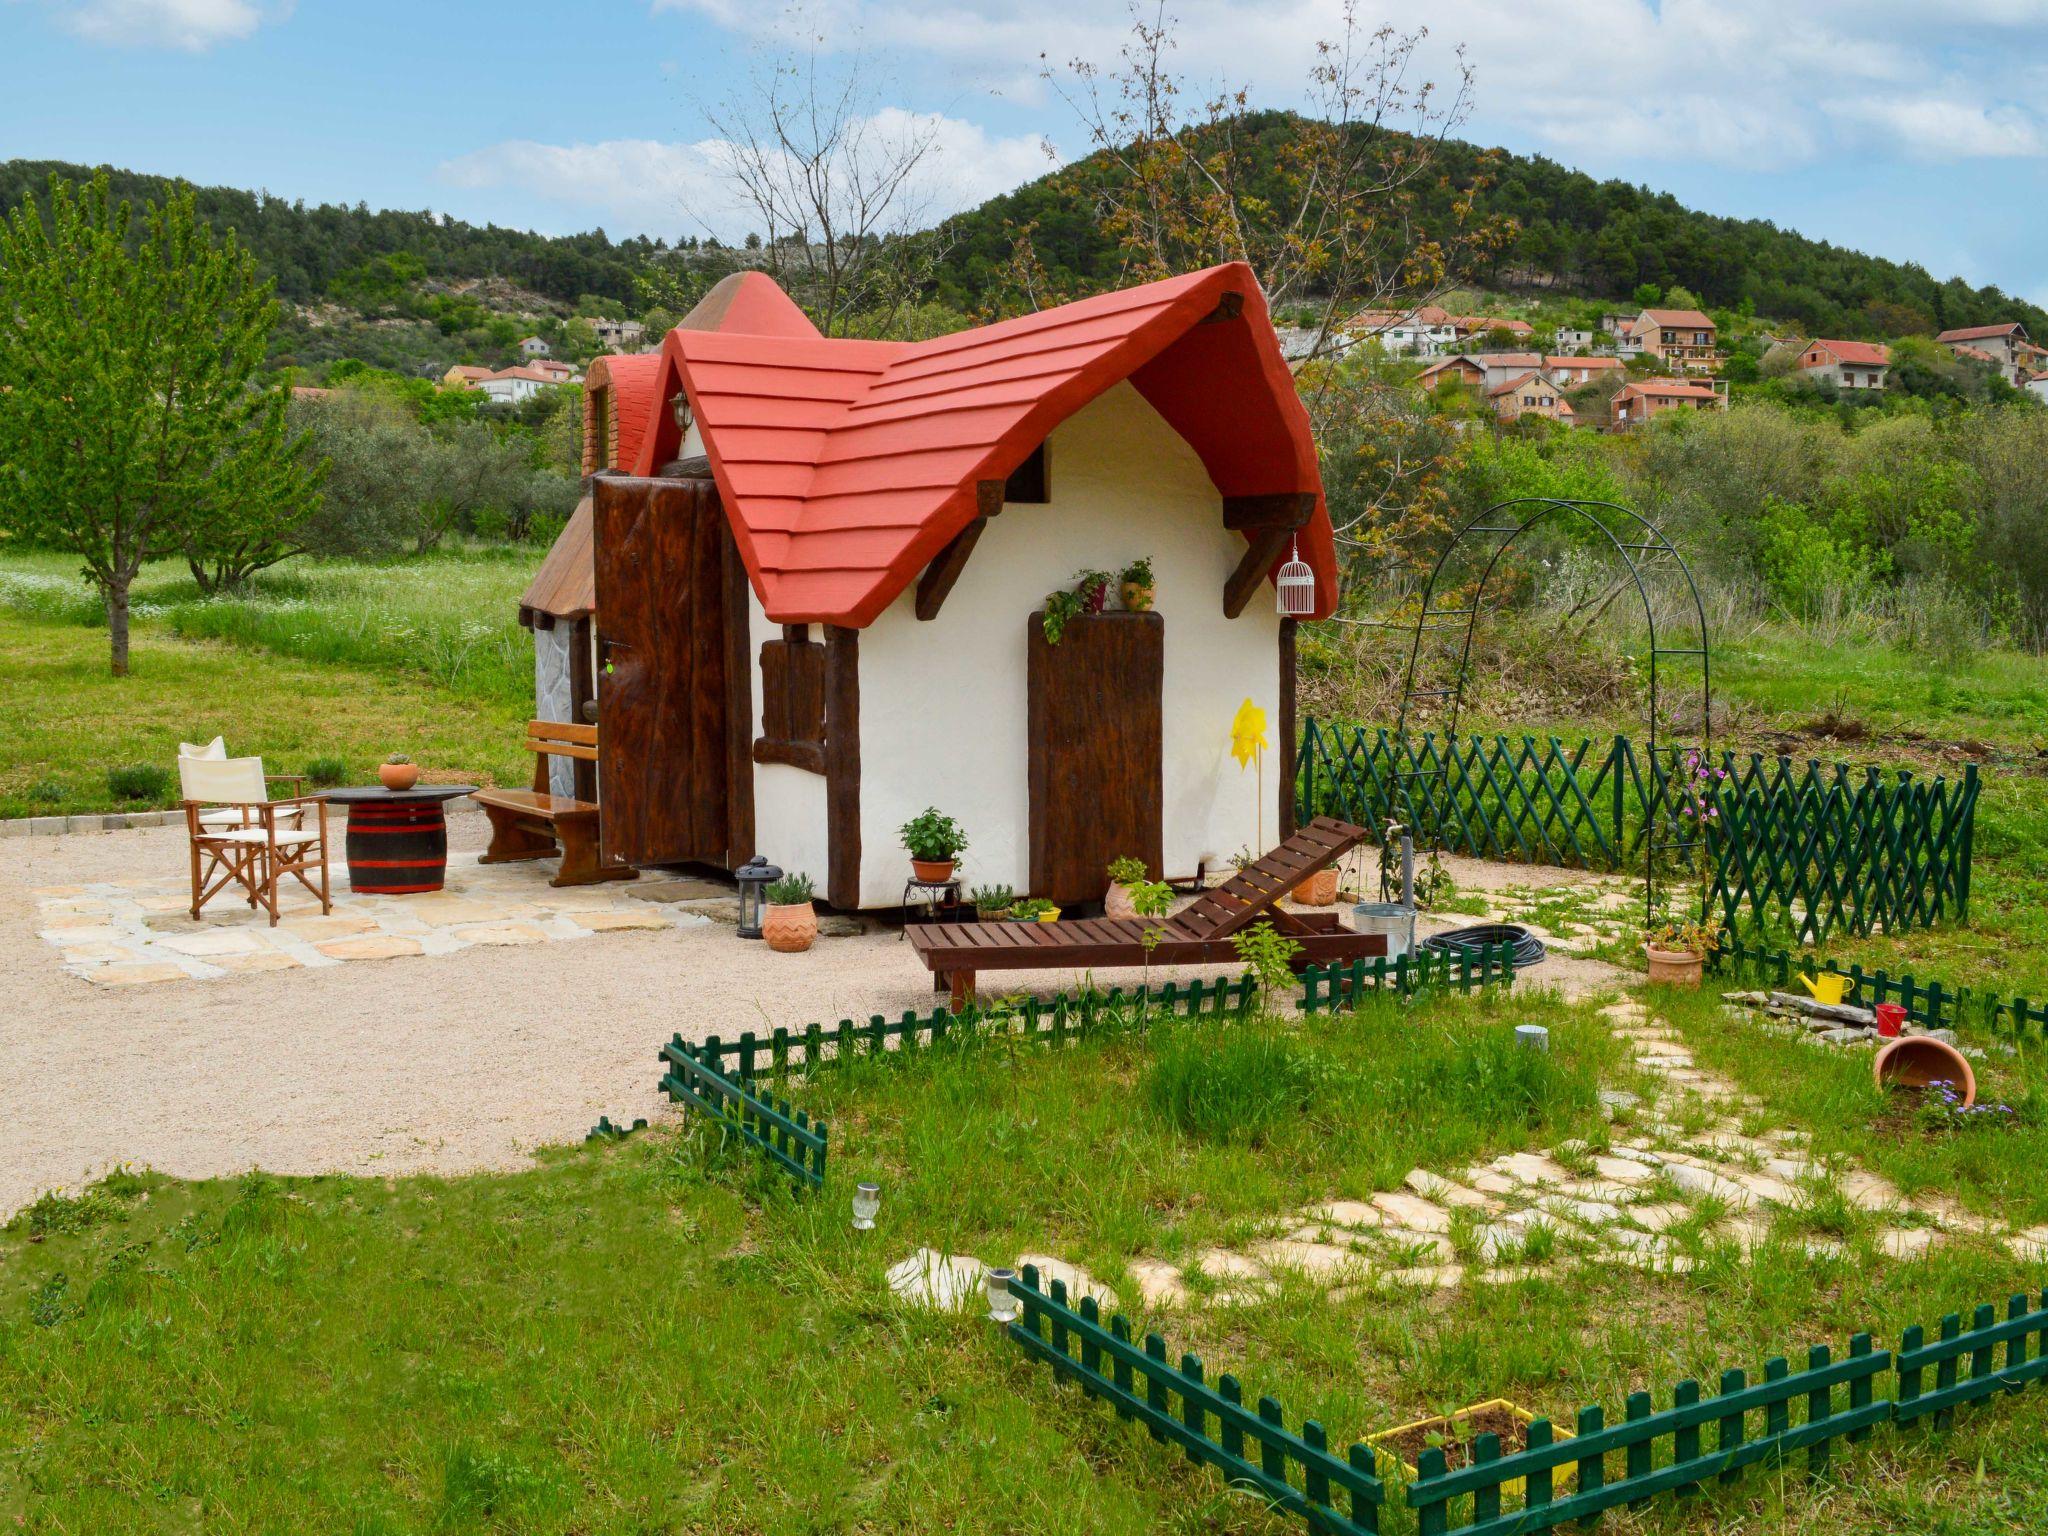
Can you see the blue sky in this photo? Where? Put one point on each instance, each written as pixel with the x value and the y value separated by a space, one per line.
pixel 1914 130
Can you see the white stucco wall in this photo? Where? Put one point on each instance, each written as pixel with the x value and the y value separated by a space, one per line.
pixel 789 803
pixel 943 706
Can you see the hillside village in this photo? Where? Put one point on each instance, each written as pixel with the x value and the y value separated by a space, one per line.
pixel 1638 364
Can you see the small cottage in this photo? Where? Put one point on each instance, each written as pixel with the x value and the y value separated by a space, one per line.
pixel 806 596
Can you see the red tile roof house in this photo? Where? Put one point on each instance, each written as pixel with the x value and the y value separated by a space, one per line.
pixel 1531 394
pixel 1681 339
pixel 1637 403
pixel 818 587
pixel 2000 345
pixel 1846 364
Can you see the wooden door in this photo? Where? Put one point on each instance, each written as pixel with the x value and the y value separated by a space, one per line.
pixel 673 697
pixel 1095 751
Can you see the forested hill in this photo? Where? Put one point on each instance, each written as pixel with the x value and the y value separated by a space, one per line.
pixel 1576 235
pixel 329 252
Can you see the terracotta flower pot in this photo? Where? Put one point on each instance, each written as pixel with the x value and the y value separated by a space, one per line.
pixel 791 929
pixel 1117 903
pixel 1916 1061
pixel 933 871
pixel 1319 889
pixel 1137 596
pixel 1674 967
pixel 398 775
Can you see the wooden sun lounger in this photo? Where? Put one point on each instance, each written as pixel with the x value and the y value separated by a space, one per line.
pixel 1200 934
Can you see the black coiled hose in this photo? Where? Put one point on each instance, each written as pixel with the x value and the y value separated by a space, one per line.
pixel 1529 949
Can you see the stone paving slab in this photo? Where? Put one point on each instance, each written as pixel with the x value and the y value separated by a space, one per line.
pixel 141 932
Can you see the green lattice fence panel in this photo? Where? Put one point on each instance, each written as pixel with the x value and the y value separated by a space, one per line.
pixel 1209 1420
pixel 1648 1453
pixel 1324 987
pixel 1929 1003
pixel 1995 1351
pixel 782 1133
pixel 1799 850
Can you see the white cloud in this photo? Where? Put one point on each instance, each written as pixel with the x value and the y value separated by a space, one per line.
pixel 190 25
pixel 674 188
pixel 1617 83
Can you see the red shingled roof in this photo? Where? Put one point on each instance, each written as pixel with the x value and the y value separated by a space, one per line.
pixel 846 465
pixel 632 378
pixel 1863 354
pixel 1980 332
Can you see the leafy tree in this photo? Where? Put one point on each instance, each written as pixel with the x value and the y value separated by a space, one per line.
pixel 133 428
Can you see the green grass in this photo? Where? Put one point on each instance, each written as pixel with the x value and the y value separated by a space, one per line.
pixel 657 1335
pixel 64 722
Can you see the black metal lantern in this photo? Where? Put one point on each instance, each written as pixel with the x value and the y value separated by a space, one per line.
pixel 754 877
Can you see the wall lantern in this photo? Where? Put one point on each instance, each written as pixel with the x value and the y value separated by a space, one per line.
pixel 680 407
pixel 1294 589
pixel 754 877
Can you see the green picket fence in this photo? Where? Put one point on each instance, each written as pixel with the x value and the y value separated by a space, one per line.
pixel 1049 1021
pixel 1554 1479
pixel 1806 849
pixel 1927 1003
pixel 1324 987
pixel 1210 1422
pixel 774 1127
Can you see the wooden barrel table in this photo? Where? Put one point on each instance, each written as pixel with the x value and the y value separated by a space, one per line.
pixel 397 841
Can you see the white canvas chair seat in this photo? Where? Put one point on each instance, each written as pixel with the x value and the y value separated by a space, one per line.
pixel 216 751
pixel 241 837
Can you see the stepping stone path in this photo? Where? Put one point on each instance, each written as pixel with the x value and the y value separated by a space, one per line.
pixel 1538 1213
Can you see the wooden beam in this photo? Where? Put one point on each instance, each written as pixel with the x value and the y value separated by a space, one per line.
pixel 697 467
pixel 1286 729
pixel 807 755
pixel 1288 509
pixel 988 497
pixel 945 569
pixel 582 699
pixel 1265 547
pixel 842 767
pixel 739 693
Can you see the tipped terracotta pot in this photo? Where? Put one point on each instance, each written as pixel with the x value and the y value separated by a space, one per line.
pixel 1319 889
pixel 1674 967
pixel 1916 1061
pixel 933 871
pixel 398 775
pixel 791 929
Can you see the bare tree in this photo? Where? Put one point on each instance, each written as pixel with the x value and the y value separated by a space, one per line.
pixel 833 178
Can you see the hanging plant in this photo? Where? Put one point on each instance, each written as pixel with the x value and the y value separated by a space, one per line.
pixel 1059 607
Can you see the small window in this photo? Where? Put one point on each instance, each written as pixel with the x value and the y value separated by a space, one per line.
pixel 1028 484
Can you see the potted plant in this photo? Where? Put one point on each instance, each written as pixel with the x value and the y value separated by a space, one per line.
pixel 789 923
pixel 1677 950
pixel 1034 909
pixel 1059 608
pixel 935 843
pixel 398 772
pixel 991 902
pixel 1319 889
pixel 1092 588
pixel 1137 589
pixel 1454 1434
pixel 1123 874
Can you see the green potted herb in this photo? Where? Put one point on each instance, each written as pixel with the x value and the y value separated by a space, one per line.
pixel 1137 589
pixel 1124 873
pixel 935 843
pixel 789 923
pixel 1092 588
pixel 991 901
pixel 1034 909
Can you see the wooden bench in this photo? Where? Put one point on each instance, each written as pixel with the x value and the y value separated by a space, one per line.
pixel 1201 934
pixel 537 823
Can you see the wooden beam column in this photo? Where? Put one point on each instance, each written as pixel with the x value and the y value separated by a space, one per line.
pixel 739 703
pixel 842 767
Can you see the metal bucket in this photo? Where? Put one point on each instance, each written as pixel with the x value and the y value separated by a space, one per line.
pixel 1390 918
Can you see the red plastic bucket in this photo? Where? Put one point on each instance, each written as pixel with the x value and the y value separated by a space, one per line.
pixel 1890 1018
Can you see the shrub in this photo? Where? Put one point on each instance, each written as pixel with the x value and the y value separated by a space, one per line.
pixel 325 772
pixel 139 781
pixel 46 789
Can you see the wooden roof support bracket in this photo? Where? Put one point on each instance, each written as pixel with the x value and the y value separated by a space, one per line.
pixel 938 578
pixel 1287 509
pixel 1265 547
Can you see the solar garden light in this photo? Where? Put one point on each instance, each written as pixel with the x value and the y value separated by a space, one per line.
pixel 1003 1305
pixel 867 1199
pixel 1534 1036
pixel 754 877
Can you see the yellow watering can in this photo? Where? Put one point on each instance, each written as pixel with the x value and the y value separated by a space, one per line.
pixel 1827 987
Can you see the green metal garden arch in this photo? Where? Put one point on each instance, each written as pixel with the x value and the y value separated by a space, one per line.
pixel 1640 544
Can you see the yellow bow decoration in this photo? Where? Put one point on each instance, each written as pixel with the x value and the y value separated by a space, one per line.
pixel 1248 733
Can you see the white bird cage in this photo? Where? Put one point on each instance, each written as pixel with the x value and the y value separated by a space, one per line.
pixel 1294 589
